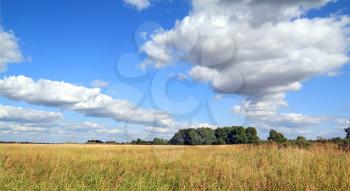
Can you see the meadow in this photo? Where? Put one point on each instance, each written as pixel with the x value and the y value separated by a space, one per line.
pixel 130 167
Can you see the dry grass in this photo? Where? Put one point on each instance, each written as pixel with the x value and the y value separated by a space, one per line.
pixel 108 167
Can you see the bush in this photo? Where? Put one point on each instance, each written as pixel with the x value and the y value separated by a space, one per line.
pixel 301 142
pixel 252 135
pixel 207 136
pixel 276 137
pixel 94 142
pixel 158 141
pixel 140 142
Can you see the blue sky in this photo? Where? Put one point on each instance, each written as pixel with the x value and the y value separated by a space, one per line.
pixel 79 42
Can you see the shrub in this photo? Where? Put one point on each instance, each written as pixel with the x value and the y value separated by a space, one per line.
pixel 207 136
pixel 158 141
pixel 276 137
pixel 252 135
pixel 94 142
pixel 301 142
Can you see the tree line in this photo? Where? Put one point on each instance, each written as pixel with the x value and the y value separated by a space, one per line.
pixel 204 136
pixel 208 136
pixel 232 135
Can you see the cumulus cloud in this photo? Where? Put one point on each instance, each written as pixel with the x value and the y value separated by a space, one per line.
pixel 18 120
pixel 242 47
pixel 16 128
pixel 9 49
pixel 203 74
pixel 281 119
pixel 84 126
pixel 179 125
pixel 99 84
pixel 88 101
pixel 22 120
pixel 56 127
pixel 18 114
pixel 257 12
pixel 138 4
pixel 160 130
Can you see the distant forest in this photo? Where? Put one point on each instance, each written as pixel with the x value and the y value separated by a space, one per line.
pixel 227 136
pixel 232 135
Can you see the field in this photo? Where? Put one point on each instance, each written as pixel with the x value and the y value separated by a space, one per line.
pixel 128 167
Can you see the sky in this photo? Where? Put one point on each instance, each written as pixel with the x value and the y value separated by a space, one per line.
pixel 117 70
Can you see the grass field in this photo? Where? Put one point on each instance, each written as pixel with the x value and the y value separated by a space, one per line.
pixel 127 167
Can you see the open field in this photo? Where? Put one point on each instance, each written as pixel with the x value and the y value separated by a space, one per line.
pixel 129 167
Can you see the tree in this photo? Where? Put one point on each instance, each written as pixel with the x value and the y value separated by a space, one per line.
pixel 111 142
pixel 94 142
pixel 337 140
pixel 276 137
pixel 321 139
pixel 158 141
pixel 252 135
pixel 301 142
pixel 178 138
pixel 347 130
pixel 207 136
pixel 140 142
pixel 237 135
pixel 301 138
pixel 192 137
pixel 221 135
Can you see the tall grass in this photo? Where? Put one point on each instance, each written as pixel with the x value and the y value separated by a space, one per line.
pixel 113 167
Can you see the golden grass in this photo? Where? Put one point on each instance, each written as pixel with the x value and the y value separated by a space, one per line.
pixel 127 167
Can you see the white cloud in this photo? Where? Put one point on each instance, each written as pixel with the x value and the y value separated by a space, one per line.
pixel 271 58
pixel 89 101
pixel 257 12
pixel 18 114
pixel 183 125
pixel 203 74
pixel 242 47
pixel 181 76
pixel 160 130
pixel 15 128
pixel 56 127
pixel 84 126
pixel 275 120
pixel 99 84
pixel 17 120
pixel 292 124
pixel 203 125
pixel 9 49
pixel 138 4
pixel 109 131
pixel 42 126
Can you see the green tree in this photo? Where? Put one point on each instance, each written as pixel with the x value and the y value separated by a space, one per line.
pixel 221 135
pixel 140 142
pixel 178 138
pixel 94 142
pixel 347 130
pixel 252 135
pixel 301 142
pixel 337 140
pixel 159 141
pixel 191 137
pixel 207 136
pixel 276 137
pixel 237 135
